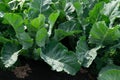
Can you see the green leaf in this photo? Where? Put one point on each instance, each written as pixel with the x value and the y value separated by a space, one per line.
pixel 61 34
pixel 51 20
pixel 69 9
pixel 41 37
pixel 37 5
pixel 9 54
pixel 57 56
pixel 101 34
pixel 67 28
pixel 40 7
pixel 110 72
pixel 90 56
pixel 25 40
pixel 15 21
pixel 38 22
pixel 87 6
pixel 81 49
pixel 111 10
pixel 84 55
pixel 94 14
pixel 79 8
pixel 3 7
pixel 70 26
pixel 37 52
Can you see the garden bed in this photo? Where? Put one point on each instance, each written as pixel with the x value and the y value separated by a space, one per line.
pixel 59 39
pixel 42 71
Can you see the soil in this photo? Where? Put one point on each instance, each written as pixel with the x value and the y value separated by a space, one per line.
pixel 39 70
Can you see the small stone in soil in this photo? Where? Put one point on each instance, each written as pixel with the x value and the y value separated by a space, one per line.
pixel 22 71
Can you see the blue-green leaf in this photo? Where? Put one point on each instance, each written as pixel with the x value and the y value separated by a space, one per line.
pixel 61 34
pixel 111 10
pixel 110 72
pixel 81 49
pixel 67 28
pixel 84 55
pixel 57 56
pixel 90 56
pixel 9 54
pixel 25 40
pixel 39 6
pixel 101 34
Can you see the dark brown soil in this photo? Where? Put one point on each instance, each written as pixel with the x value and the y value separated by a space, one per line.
pixel 39 70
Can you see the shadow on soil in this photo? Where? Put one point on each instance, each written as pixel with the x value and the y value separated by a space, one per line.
pixel 41 71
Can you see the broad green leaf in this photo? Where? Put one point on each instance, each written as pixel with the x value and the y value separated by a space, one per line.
pixel 41 37
pixel 38 22
pixel 25 40
pixel 37 5
pixel 51 20
pixel 57 56
pixel 84 55
pixel 9 54
pixel 40 6
pixel 67 28
pixel 15 21
pixel 89 56
pixel 111 10
pixel 101 34
pixel 94 14
pixel 110 72
pixel 87 6
pixel 81 49
pixel 61 34
pixel 79 8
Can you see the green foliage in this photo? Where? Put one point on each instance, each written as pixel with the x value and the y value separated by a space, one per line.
pixel 57 55
pixel 101 34
pixel 111 10
pixel 66 34
pixel 110 72
pixel 15 21
pixel 9 54
pixel 41 37
pixel 38 22
pixel 51 20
